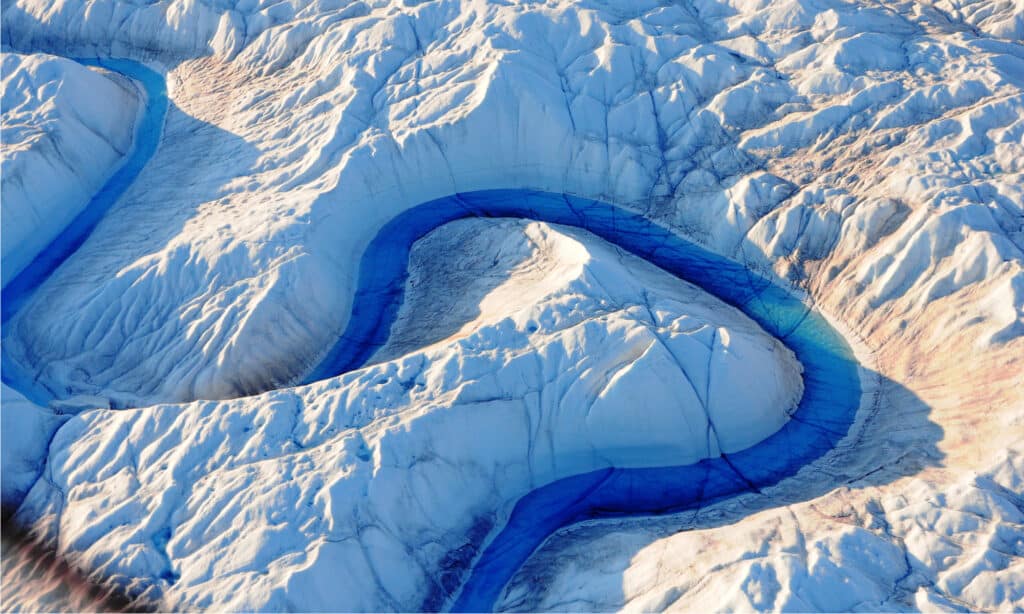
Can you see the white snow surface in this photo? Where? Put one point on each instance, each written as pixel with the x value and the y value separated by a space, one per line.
pixel 65 129
pixel 870 153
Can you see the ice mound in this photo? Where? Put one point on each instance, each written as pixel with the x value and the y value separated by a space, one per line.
pixel 395 472
pixel 65 129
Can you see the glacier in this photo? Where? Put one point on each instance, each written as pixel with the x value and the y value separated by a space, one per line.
pixel 861 158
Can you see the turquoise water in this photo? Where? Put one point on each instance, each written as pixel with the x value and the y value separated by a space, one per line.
pixel 826 411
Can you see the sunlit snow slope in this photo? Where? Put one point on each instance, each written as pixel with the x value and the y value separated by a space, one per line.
pixel 869 154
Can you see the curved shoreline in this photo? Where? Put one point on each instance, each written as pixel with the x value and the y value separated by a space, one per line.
pixel 832 384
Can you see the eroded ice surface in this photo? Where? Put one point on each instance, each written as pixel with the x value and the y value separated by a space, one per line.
pixel 783 135
pixel 923 548
pixel 869 153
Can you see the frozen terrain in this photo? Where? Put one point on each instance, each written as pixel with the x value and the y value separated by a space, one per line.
pixel 922 548
pixel 868 155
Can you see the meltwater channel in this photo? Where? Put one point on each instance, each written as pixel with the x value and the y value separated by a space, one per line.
pixel 147 137
pixel 832 386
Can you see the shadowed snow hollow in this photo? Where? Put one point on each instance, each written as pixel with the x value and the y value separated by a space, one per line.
pixel 566 355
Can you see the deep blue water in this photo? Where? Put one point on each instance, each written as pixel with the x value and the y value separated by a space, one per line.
pixel 826 411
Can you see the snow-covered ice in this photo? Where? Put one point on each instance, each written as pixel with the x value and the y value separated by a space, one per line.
pixel 868 155
pixel 920 547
